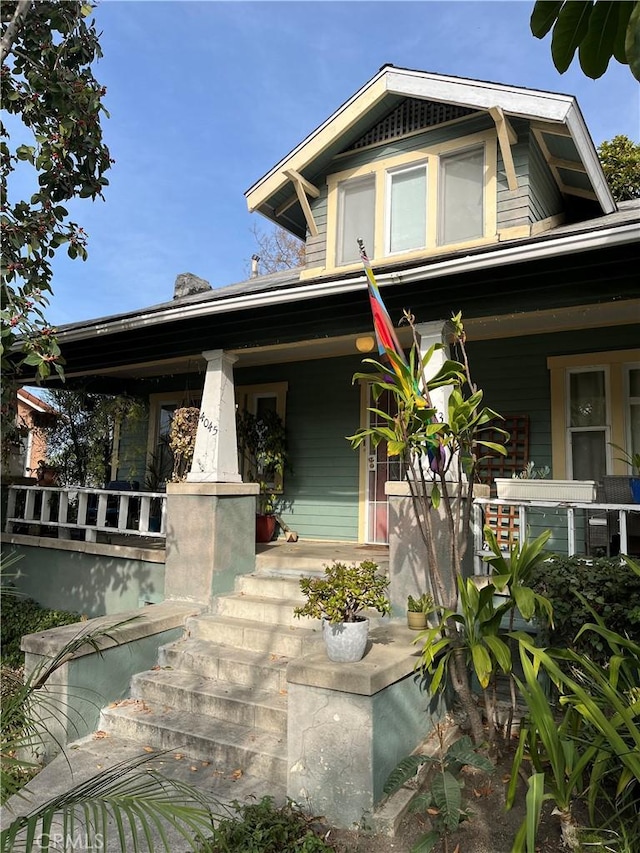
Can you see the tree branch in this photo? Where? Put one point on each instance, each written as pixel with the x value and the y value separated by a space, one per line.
pixel 13 28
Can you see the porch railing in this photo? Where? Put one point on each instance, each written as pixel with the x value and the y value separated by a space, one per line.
pixel 82 513
pixel 592 529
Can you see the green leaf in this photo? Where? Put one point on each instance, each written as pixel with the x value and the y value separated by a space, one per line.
pixel 570 29
pixel 625 9
pixel 543 17
pixel 632 42
pixel 403 771
pixel 597 46
pixel 427 842
pixel 447 797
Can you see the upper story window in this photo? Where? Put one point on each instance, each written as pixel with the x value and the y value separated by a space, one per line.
pixel 461 197
pixel 414 202
pixel 356 214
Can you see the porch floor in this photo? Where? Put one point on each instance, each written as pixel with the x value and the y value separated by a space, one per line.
pixel 312 555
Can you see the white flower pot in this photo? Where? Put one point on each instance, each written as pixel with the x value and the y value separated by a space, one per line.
pixel 345 641
pixel 546 490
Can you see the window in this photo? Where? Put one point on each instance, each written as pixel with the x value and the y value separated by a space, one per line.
pixel 588 432
pixel 414 202
pixel 261 400
pixel 595 404
pixel 461 214
pixel 407 213
pixel 356 218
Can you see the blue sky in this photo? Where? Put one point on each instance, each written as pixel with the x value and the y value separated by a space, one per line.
pixel 205 97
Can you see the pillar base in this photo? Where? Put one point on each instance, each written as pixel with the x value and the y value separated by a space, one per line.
pixel 210 538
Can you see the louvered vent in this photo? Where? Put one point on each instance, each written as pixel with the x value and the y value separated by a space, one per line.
pixel 412 114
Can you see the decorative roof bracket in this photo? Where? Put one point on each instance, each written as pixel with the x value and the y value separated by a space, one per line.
pixel 303 189
pixel 506 138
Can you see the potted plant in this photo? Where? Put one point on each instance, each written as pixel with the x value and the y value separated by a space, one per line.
pixel 262 450
pixel 633 460
pixel 338 599
pixel 418 609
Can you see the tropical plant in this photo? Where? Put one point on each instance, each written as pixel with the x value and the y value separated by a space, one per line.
pixel 442 802
pixel 422 604
pixel 441 452
pixel 592 739
pixel 344 592
pixel 262 447
pixel 530 472
pixel 632 459
pixel 598 30
pixel 129 800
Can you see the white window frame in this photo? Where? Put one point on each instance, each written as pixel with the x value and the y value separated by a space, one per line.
pixel 344 185
pixel 441 163
pixel 247 397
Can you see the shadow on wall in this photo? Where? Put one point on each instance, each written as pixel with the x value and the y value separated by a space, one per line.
pixel 90 584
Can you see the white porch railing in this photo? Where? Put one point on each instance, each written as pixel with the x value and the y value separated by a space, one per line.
pixel 32 509
pixel 589 527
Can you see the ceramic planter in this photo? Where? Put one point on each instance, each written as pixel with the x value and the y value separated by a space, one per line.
pixel 546 490
pixel 345 641
pixel 265 527
pixel 416 621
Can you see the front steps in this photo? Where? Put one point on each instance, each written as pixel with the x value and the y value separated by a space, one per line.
pixel 220 693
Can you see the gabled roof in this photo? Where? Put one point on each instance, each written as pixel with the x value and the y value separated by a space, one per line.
pixel 557 123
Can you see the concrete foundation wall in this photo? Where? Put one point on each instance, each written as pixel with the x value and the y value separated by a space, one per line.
pixel 87 578
pixel 70 702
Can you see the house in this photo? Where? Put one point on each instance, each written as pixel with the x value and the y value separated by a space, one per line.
pixel 471 196
pixel 31 447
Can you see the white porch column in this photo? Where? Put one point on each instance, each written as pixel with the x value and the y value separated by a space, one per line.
pixel 429 334
pixel 215 458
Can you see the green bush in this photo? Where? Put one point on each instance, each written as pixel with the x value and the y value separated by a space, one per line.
pixel 22 616
pixel 265 828
pixel 577 588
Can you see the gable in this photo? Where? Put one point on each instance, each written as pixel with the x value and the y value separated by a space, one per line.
pixel 399 102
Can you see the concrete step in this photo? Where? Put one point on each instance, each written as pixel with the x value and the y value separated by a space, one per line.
pixel 261 608
pixel 290 641
pixel 259 670
pixel 229 746
pixel 271 585
pixel 188 691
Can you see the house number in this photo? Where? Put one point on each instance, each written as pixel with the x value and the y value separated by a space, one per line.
pixel 208 425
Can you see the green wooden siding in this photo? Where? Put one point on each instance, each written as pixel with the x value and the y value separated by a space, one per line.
pixel 321 489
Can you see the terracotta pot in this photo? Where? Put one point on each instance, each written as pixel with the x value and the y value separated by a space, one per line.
pixel 345 641
pixel 416 621
pixel 265 527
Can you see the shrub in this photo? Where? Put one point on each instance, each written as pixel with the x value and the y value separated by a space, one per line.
pixel 263 827
pixel 22 616
pixel 578 588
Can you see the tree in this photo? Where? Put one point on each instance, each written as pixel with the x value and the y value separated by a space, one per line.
pixel 80 442
pixel 52 98
pixel 620 159
pixel 597 29
pixel 278 250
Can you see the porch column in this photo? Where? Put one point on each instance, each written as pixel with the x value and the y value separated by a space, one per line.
pixel 215 458
pixel 429 334
pixel 211 517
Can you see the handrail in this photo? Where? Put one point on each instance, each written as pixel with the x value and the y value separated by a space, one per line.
pixel 95 510
pixel 622 510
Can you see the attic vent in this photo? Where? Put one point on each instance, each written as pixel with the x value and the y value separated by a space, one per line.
pixel 412 114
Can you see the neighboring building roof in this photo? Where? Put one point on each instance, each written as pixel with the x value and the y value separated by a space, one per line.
pixel 572 154
pixel 36 404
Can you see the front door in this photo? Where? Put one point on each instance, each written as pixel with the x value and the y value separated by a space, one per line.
pixel 380 468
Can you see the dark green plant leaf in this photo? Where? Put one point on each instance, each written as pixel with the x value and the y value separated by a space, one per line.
pixel 571 27
pixel 596 48
pixel 632 42
pixel 447 797
pixel 403 771
pixel 544 16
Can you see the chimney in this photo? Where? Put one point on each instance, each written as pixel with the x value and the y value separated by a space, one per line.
pixel 255 260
